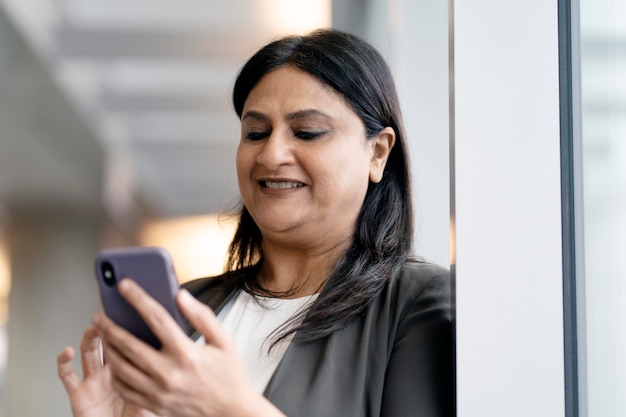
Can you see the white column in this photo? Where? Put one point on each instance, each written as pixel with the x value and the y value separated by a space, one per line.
pixel 508 218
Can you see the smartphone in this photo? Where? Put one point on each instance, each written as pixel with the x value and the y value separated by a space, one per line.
pixel 152 269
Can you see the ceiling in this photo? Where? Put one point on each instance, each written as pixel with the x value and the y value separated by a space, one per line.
pixel 152 79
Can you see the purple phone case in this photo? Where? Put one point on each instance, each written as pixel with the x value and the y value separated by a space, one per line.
pixel 152 269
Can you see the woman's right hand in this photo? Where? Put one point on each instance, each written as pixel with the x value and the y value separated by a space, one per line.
pixel 93 396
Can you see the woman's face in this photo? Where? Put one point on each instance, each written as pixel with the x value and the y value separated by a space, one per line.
pixel 304 161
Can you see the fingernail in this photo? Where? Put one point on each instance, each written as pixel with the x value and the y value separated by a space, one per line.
pixel 124 284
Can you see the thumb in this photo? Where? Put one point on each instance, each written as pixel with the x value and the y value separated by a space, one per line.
pixel 203 319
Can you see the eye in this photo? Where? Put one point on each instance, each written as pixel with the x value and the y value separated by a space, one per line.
pixel 309 135
pixel 256 135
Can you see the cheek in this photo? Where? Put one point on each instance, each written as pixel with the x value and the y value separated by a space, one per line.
pixel 242 162
pixel 347 174
pixel 244 168
pixel 361 173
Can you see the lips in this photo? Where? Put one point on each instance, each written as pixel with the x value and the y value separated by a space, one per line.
pixel 281 185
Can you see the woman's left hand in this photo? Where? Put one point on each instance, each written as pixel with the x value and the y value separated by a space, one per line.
pixel 183 379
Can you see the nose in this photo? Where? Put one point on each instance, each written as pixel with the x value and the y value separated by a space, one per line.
pixel 276 151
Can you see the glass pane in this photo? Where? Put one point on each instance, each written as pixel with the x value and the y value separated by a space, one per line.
pixel 603 70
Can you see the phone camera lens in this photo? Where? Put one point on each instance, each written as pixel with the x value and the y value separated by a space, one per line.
pixel 108 274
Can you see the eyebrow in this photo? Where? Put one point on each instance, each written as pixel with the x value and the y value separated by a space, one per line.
pixel 300 114
pixel 254 115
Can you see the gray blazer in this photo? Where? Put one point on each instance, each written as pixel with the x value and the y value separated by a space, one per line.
pixel 395 360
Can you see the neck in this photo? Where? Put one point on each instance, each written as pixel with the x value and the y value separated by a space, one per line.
pixel 298 273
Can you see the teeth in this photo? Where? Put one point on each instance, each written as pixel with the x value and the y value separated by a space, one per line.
pixel 283 185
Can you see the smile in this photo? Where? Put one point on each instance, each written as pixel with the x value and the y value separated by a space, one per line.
pixel 281 185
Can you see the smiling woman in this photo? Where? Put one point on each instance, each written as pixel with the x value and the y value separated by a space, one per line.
pixel 304 162
pixel 323 310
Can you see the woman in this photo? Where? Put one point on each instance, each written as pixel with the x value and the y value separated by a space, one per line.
pixel 322 311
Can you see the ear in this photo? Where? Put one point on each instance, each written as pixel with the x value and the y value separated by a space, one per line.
pixel 381 147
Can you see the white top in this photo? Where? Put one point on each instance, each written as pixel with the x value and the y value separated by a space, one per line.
pixel 252 321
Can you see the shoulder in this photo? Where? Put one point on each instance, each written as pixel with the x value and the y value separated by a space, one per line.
pixel 421 287
pixel 421 271
pixel 415 277
pixel 420 370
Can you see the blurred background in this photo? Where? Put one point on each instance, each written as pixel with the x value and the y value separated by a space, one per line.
pixel 602 292
pixel 116 129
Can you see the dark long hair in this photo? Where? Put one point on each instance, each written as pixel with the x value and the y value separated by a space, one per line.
pixel 383 239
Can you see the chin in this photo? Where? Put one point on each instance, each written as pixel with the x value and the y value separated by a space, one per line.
pixel 277 228
pixel 274 227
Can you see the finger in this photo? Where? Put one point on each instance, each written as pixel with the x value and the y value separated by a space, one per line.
pixel 90 352
pixel 125 370
pixel 134 350
pixel 134 399
pixel 153 313
pixel 135 387
pixel 65 370
pixel 203 319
